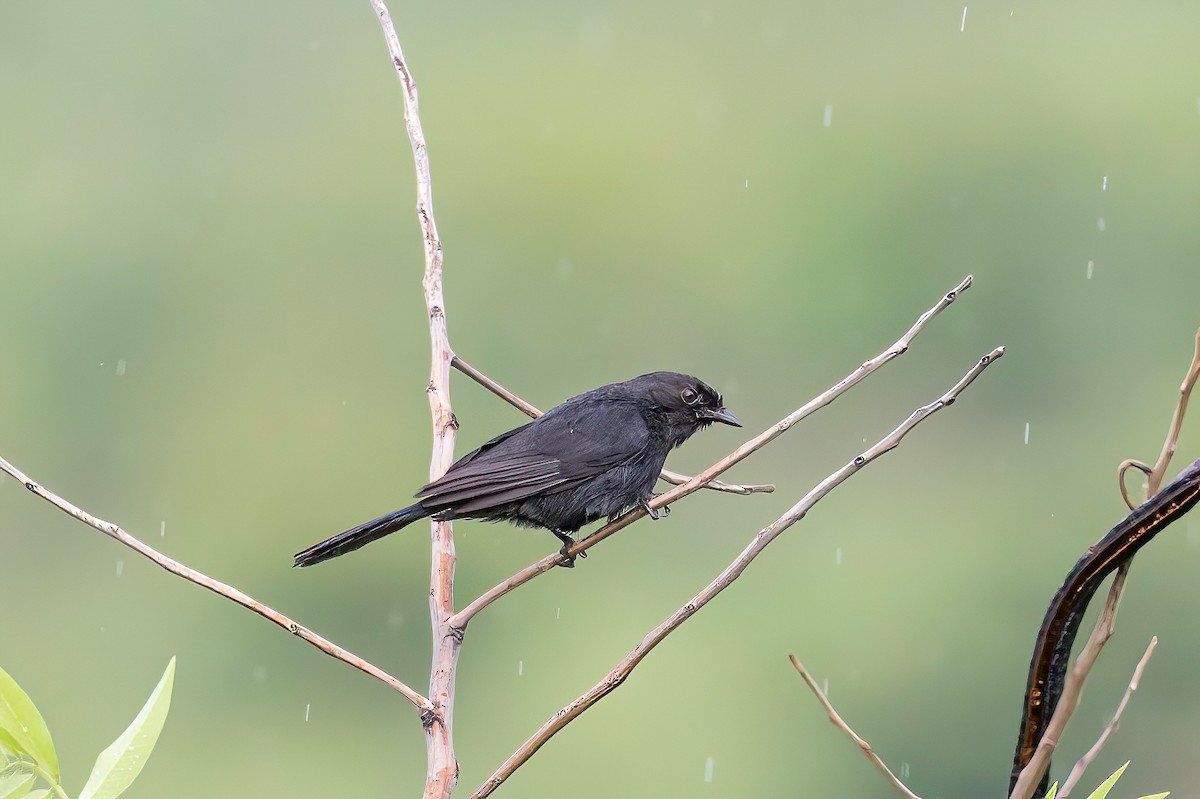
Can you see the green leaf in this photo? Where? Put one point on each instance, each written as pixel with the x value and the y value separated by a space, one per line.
pixel 1157 796
pixel 119 764
pixel 23 732
pixel 1106 786
pixel 16 785
pixel 1053 791
pixel 40 793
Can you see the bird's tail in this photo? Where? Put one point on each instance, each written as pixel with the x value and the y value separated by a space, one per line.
pixel 359 536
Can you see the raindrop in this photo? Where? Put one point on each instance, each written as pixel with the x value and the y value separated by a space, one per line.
pixel 307 708
pixel 1100 224
pixel 747 182
pixel 1091 266
pixel 825 687
pixel 395 619
pixel 1104 184
pixel 962 28
pixel 120 567
pixel 557 614
pixel 828 119
pixel 837 556
pixel 520 667
pixel 708 764
pixel 904 771
pixel 162 529
pixel 1027 432
pixel 120 368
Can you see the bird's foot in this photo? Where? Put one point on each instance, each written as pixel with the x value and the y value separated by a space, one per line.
pixel 568 542
pixel 655 513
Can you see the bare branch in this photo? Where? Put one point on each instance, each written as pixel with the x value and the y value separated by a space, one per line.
pixel 442 767
pixel 838 722
pixel 1172 439
pixel 1085 761
pixel 460 619
pixel 764 537
pixel 229 592
pixel 533 412
pixel 1027 782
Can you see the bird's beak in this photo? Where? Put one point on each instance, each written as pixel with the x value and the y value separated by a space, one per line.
pixel 720 415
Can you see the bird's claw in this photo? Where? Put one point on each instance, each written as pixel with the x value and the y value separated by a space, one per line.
pixel 568 542
pixel 656 513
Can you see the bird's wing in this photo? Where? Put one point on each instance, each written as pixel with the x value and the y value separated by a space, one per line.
pixel 561 449
pixel 500 471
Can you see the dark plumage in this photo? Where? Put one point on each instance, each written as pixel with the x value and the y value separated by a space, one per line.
pixel 590 457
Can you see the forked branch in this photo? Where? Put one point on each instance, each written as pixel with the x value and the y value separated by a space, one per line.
pixel 459 620
pixel 726 578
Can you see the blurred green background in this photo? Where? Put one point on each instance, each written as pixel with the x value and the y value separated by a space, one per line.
pixel 213 334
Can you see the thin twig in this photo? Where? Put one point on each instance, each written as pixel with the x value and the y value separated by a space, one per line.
pixel 764 537
pixel 1172 439
pixel 533 412
pixel 1122 468
pixel 442 767
pixel 217 587
pixel 838 722
pixel 459 620
pixel 1073 686
pixel 1111 727
pixel 1103 630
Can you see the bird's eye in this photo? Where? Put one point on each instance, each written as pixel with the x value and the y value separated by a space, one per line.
pixel 690 396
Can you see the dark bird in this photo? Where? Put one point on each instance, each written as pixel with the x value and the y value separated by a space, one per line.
pixel 594 455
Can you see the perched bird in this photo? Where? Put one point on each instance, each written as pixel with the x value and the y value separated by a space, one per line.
pixel 594 455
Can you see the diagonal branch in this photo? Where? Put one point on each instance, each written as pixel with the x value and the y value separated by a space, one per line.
pixel 459 620
pixel 1085 761
pixel 442 767
pixel 760 541
pixel 837 721
pixel 533 412
pixel 1027 783
pixel 217 587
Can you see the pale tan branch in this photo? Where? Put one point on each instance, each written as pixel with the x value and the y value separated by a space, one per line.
pixel 1081 766
pixel 1072 687
pixel 840 723
pixel 1155 479
pixel 217 587
pixel 460 619
pixel 442 767
pixel 760 541
pixel 532 411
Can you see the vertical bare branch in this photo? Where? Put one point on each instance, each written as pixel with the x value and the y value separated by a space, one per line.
pixel 442 770
pixel 726 578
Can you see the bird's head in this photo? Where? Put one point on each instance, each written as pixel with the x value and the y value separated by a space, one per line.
pixel 688 402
